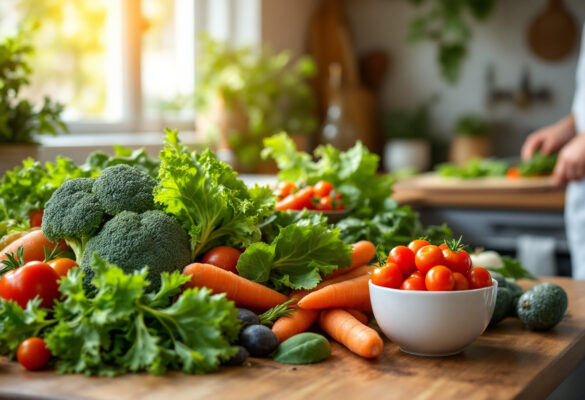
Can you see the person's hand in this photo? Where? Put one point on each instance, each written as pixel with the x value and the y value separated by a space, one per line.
pixel 550 138
pixel 571 162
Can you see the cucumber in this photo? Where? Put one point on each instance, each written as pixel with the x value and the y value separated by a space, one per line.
pixel 504 299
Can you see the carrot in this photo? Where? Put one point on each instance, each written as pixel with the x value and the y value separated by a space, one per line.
pixel 361 270
pixel 353 293
pixel 347 330
pixel 242 291
pixel 362 253
pixel 33 243
pixel 296 322
pixel 357 314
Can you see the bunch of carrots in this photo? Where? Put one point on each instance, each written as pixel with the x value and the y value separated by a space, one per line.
pixel 338 304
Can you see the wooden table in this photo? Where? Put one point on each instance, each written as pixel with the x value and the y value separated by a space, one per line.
pixel 506 362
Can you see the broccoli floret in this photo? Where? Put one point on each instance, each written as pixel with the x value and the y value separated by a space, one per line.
pixel 123 188
pixel 133 241
pixel 73 213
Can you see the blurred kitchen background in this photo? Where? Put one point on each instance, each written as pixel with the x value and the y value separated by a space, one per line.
pixel 419 82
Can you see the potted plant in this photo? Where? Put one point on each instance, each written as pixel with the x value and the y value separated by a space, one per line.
pixel 407 133
pixel 244 95
pixel 471 139
pixel 21 121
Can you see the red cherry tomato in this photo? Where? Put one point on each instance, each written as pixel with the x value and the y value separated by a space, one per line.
pixel 479 277
pixel 323 188
pixel 62 265
pixel 223 257
pixel 413 283
pixel 457 261
pixel 439 278
pixel 388 276
pixel 338 202
pixel 416 244
pixel 324 204
pixel 404 258
pixel 417 274
pixel 513 173
pixel 32 353
pixel 285 188
pixel 427 257
pixel 461 282
pixel 34 278
pixel 36 218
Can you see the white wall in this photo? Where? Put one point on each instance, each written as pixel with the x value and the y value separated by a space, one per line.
pixel 501 41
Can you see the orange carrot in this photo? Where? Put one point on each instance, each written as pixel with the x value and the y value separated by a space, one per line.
pixel 242 291
pixel 362 253
pixel 361 270
pixel 296 322
pixel 357 314
pixel 353 293
pixel 33 243
pixel 347 330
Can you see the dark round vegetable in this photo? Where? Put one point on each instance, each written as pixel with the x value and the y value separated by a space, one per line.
pixel 239 357
pixel 259 340
pixel 247 317
pixel 543 306
pixel 504 301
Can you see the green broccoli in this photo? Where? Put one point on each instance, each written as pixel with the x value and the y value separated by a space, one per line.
pixel 133 241
pixel 124 188
pixel 73 213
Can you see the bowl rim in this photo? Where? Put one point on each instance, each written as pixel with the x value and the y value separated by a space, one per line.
pixel 435 293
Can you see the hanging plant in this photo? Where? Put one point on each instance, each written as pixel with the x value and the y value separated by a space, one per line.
pixel 446 24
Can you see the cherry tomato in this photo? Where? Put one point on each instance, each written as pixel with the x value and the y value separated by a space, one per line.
pixel 223 257
pixel 297 201
pixel 323 188
pixel 36 218
pixel 324 204
pixel 427 257
pixel 388 276
pixel 413 283
pixel 62 265
pixel 461 282
pixel 417 274
pixel 34 278
pixel 457 261
pixel 439 278
pixel 32 353
pixel 416 244
pixel 338 202
pixel 479 277
pixel 404 258
pixel 285 188
pixel 513 173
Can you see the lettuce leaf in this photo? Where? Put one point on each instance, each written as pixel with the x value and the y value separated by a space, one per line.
pixel 298 258
pixel 209 201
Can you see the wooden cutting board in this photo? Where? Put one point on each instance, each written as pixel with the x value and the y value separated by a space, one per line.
pixel 431 181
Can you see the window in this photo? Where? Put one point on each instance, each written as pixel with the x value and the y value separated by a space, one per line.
pixel 123 65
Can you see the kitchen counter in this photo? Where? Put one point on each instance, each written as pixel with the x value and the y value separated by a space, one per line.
pixel 506 362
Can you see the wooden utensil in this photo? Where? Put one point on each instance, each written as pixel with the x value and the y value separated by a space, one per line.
pixel 553 33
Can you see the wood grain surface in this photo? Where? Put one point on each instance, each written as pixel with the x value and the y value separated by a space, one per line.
pixel 506 362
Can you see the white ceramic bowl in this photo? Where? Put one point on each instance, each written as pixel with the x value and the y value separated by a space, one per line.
pixel 433 323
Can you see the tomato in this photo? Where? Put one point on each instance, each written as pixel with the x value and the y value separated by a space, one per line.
pixel 338 202
pixel 417 274
pixel 323 188
pixel 461 282
pixel 34 278
pixel 404 258
pixel 297 201
pixel 439 278
pixel 427 257
pixel 513 173
pixel 36 218
pixel 62 265
pixel 388 276
pixel 324 204
pixel 32 353
pixel 457 261
pixel 479 277
pixel 223 257
pixel 413 283
pixel 416 244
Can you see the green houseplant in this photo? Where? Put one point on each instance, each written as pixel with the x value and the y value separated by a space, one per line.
pixel 244 95
pixel 471 139
pixel 21 121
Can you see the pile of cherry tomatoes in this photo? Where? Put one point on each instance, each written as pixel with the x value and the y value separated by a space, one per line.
pixel 423 266
pixel 322 196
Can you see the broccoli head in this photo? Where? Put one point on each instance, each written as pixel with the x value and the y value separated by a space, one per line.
pixel 124 188
pixel 73 213
pixel 133 241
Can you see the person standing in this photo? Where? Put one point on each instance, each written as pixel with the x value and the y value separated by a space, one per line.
pixel 567 136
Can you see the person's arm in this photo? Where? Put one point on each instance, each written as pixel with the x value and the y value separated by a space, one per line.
pixel 550 138
pixel 571 162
